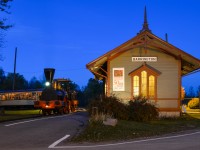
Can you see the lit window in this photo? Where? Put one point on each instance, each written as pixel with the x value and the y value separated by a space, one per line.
pixel 151 86
pixel 135 86
pixel 144 84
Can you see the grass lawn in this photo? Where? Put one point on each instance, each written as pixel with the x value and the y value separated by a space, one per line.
pixel 18 114
pixel 127 130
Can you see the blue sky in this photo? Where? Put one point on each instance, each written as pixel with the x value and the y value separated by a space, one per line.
pixel 67 34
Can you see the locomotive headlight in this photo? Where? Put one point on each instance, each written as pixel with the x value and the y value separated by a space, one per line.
pixel 47 84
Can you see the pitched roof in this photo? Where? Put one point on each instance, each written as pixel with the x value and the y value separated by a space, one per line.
pixel 147 39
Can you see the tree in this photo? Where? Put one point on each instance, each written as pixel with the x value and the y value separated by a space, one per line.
pixel 190 93
pixel 73 86
pixel 4 6
pixel 2 78
pixel 93 90
pixel 35 84
pixel 20 82
pixel 198 91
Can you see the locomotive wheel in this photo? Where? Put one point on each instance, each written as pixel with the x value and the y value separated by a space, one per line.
pixel 55 112
pixel 49 112
pixel 61 111
pixel 65 110
pixel 44 112
pixel 73 109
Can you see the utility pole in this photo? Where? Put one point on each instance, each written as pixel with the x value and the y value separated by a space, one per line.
pixel 13 88
pixel 199 100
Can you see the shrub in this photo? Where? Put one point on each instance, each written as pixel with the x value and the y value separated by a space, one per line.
pixel 138 109
pixel 193 103
pixel 141 109
pixel 111 106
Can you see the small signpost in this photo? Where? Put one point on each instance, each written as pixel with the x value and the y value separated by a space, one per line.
pixel 184 109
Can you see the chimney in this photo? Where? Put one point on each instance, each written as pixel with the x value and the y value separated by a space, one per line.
pixel 166 37
pixel 49 73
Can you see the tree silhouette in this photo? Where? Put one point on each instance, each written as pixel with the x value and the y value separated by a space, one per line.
pixel 4 7
pixel 2 78
pixel 35 84
pixel 190 93
pixel 198 91
pixel 20 82
pixel 93 90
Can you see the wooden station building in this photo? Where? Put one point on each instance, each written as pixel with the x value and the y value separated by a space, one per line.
pixel 146 66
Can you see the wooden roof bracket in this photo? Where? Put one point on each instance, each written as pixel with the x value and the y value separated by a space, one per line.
pixel 103 70
pixel 98 74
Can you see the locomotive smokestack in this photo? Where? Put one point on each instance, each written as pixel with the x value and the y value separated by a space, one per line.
pixel 49 73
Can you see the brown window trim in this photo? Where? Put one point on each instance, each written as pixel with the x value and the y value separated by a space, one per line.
pixel 150 71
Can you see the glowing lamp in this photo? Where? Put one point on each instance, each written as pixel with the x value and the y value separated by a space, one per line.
pixel 47 84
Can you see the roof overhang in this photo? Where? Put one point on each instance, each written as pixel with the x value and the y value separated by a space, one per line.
pixel 148 40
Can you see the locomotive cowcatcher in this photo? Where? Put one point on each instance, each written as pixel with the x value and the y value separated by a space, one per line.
pixel 56 98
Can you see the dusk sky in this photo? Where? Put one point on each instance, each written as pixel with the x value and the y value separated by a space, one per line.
pixel 68 34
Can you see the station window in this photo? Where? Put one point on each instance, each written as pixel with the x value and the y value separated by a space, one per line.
pixel 151 86
pixel 136 86
pixel 144 80
pixel 144 83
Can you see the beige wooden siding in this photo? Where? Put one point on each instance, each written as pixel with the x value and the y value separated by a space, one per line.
pixel 167 81
pixel 167 104
pixel 123 61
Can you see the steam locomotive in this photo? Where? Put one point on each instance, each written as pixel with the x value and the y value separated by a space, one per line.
pixel 56 98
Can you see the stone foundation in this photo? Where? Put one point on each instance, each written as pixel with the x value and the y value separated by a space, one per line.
pixel 169 114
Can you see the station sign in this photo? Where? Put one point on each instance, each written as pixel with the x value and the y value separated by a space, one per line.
pixel 142 59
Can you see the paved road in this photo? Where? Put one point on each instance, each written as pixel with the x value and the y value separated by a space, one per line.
pixel 39 133
pixel 184 141
pixel 51 132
